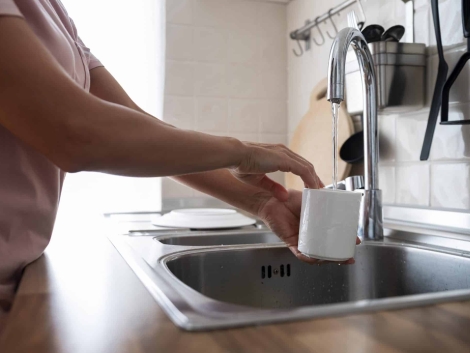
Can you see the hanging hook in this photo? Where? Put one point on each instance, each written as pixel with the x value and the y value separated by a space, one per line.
pixel 334 26
pixel 319 30
pixel 300 47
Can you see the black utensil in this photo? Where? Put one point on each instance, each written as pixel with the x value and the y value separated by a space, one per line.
pixel 440 81
pixel 373 33
pixel 393 34
pixel 352 150
pixel 457 69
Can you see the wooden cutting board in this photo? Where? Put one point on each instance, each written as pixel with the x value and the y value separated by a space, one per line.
pixel 312 138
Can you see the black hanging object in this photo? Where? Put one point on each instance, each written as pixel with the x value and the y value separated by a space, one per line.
pixel 373 33
pixel 440 81
pixel 352 150
pixel 457 69
pixel 393 34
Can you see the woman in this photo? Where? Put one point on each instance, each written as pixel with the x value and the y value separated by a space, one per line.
pixel 62 111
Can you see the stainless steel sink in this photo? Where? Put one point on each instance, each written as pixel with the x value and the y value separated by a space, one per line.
pixel 220 238
pixel 273 278
pixel 202 284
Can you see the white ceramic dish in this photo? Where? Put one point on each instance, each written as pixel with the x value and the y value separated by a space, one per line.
pixel 203 218
pixel 328 224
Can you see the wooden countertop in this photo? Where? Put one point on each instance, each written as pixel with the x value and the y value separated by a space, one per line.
pixel 82 297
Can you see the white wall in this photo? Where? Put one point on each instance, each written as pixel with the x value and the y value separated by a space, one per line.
pixel 226 72
pixel 129 40
pixel 444 180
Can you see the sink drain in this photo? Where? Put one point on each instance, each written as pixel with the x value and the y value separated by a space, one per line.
pixel 282 271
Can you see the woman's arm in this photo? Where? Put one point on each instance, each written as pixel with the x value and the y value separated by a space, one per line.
pixel 218 183
pixel 44 107
pixel 77 131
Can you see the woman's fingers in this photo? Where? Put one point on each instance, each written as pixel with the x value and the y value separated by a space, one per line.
pixel 302 257
pixel 264 158
pixel 313 261
pixel 266 183
pixel 306 162
pixel 303 170
pixel 278 191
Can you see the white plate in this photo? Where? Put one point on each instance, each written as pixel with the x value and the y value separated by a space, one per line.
pixel 203 218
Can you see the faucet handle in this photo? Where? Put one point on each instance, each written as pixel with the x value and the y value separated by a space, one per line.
pixel 341 185
pixel 354 182
pixel 349 184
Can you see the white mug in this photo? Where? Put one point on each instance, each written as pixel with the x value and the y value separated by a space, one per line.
pixel 328 223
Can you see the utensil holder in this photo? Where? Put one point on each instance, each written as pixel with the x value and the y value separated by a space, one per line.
pixel 400 71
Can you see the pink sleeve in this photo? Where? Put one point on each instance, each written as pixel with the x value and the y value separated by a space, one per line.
pixel 93 61
pixel 8 7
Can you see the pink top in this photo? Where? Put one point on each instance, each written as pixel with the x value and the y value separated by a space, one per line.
pixel 30 184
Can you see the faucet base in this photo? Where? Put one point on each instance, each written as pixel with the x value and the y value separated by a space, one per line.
pixel 370 218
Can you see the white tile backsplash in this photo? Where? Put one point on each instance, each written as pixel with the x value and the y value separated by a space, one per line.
pixel 210 79
pixel 242 46
pixel 272 51
pixel 211 114
pixel 421 28
pixel 387 184
pixel 410 131
pixel 179 111
pixel 272 19
pixel 273 115
pixel 182 39
pixel 243 14
pixel 412 184
pixel 179 78
pixel 452 142
pixel 242 81
pixel 450 186
pixel 273 84
pixel 210 44
pixel 226 71
pixel 273 138
pixel 244 116
pixel 210 12
pixel 179 11
pixel 451 23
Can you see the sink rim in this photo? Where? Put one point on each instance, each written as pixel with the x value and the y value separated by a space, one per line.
pixel 214 233
pixel 193 311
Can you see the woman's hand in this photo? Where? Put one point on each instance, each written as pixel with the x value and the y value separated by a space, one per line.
pixel 283 219
pixel 260 159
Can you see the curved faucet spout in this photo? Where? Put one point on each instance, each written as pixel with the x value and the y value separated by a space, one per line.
pixel 370 224
pixel 336 68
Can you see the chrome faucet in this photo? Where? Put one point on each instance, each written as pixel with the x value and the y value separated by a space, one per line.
pixel 370 219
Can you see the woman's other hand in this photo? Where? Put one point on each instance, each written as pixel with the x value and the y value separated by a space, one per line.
pixel 283 218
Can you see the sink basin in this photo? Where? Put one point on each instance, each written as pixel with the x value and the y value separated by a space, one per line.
pixel 274 278
pixel 224 238
pixel 210 280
